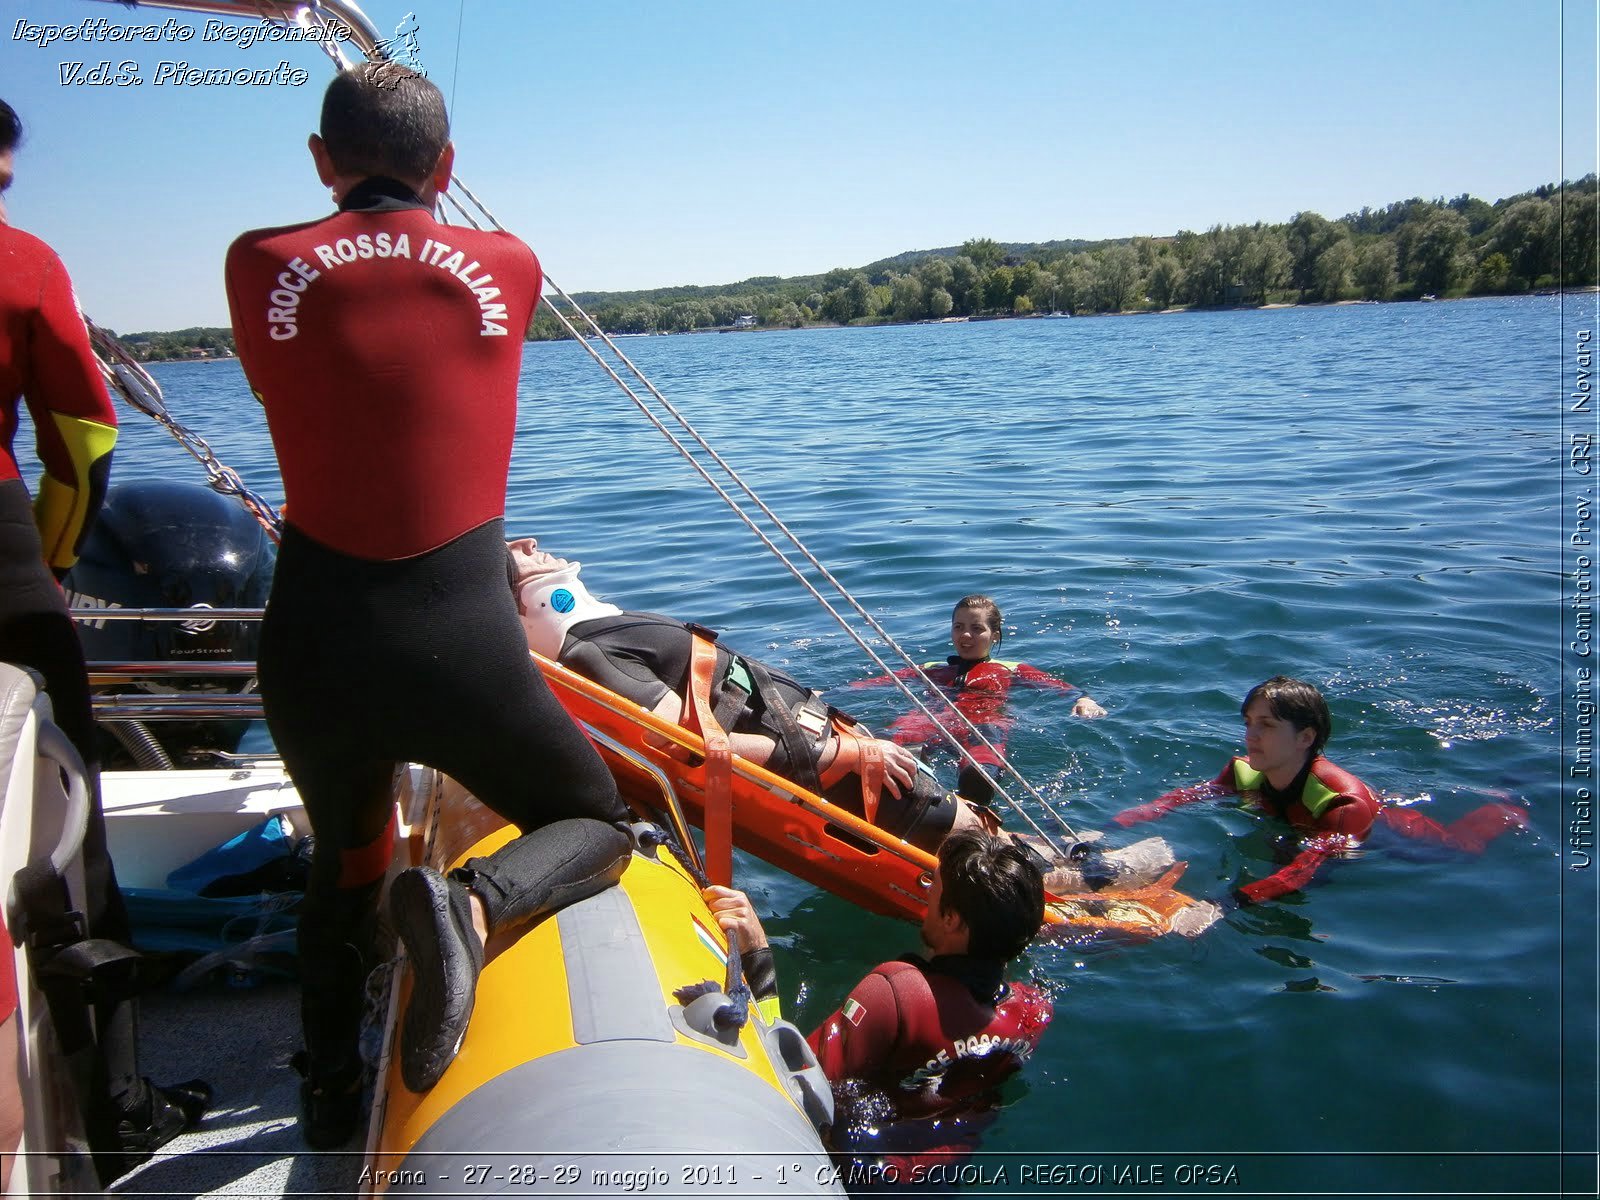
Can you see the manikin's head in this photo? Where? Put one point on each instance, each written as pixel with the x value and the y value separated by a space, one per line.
pixel 550 596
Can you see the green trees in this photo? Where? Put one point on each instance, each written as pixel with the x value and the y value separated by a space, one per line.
pixel 936 274
pixel 910 298
pixel 1075 292
pixel 1333 270
pixel 686 315
pixel 1164 281
pixel 195 342
pixel 1439 257
pixel 999 289
pixel 966 286
pixel 1308 236
pixel 1494 274
pixel 1205 280
pixel 1044 293
pixel 1265 263
pixel 1114 277
pixel 1576 243
pixel 1542 238
pixel 985 253
pixel 1374 270
pixel 848 296
pixel 1527 234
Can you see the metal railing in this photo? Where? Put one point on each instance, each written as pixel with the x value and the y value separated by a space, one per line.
pixel 190 704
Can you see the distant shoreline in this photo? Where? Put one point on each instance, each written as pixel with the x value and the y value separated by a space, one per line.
pixel 1587 289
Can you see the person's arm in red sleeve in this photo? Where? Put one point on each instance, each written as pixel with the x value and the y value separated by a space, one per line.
pixel 857 1040
pixel 1339 830
pixel 73 418
pixel 882 680
pixel 1222 785
pixel 913 729
pixel 1290 878
pixel 1030 676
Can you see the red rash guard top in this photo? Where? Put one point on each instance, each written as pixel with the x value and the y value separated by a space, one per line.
pixel 45 359
pixel 1331 804
pixel 385 348
pixel 978 691
pixel 932 1034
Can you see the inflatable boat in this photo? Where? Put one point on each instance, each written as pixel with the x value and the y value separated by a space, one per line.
pixel 605 1055
pixel 609 1051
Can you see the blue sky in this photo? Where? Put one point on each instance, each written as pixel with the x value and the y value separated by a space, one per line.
pixel 640 143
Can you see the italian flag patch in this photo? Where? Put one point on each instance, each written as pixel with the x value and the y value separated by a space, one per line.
pixel 852 1012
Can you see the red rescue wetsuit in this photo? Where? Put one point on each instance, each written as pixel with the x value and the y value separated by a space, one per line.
pixel 46 359
pixel 932 1034
pixel 978 690
pixel 386 348
pixel 393 430
pixel 1335 808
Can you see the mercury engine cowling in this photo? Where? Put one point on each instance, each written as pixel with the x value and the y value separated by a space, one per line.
pixel 166 545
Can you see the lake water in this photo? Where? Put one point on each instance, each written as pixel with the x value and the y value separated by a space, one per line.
pixel 1169 509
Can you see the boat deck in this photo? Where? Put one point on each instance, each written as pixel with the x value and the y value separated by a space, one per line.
pixel 239 1039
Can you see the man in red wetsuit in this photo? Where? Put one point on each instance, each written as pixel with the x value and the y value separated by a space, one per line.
pixel 46 360
pixel 385 348
pixel 1286 726
pixel 937 1033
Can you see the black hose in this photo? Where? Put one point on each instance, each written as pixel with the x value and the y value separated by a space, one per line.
pixel 138 741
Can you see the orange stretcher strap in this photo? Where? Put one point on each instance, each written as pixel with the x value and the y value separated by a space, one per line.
pixel 863 756
pixel 698 719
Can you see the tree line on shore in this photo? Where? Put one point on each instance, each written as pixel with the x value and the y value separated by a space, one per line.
pixel 180 344
pixel 1535 241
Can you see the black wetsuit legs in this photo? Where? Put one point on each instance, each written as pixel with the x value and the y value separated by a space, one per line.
pixel 366 665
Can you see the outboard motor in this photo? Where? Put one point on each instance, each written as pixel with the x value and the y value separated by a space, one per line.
pixel 167 545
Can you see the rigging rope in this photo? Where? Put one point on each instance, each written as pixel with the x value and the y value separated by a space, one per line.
pixel 794 539
pixel 136 384
pixel 803 551
pixel 128 377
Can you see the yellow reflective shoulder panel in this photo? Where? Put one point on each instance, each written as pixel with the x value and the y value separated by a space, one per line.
pixel 62 508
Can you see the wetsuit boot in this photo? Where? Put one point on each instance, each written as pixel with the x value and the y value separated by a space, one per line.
pixel 522 882
pixel 433 916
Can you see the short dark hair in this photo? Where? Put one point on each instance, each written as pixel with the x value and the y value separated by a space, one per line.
pixel 980 603
pixel 10 128
pixel 1297 702
pixel 996 888
pixel 384 119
